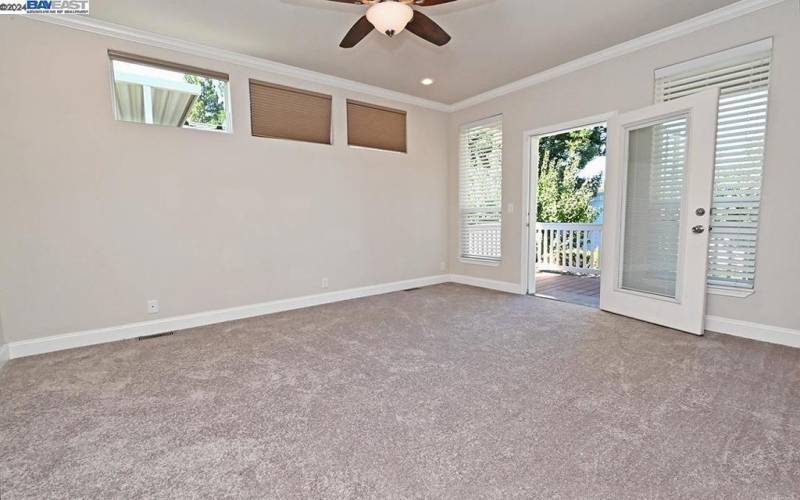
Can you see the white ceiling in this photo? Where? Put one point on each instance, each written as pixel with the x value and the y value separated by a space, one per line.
pixel 494 41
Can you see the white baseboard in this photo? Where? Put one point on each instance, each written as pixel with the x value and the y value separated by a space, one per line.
pixel 4 355
pixel 737 328
pixel 755 331
pixel 102 335
pixel 503 286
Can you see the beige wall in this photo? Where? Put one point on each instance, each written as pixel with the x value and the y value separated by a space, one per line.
pixel 99 216
pixel 626 83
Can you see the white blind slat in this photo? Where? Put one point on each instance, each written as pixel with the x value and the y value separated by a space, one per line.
pixel 741 136
pixel 480 189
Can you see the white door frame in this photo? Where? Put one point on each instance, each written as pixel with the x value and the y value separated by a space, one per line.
pixel 530 175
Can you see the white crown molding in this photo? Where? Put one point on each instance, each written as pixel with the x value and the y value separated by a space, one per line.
pixel 721 15
pixel 96 26
pixel 85 338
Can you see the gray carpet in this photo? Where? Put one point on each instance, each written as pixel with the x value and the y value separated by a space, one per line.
pixel 442 392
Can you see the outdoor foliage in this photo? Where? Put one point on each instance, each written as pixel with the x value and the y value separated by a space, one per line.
pixel 209 109
pixel 584 144
pixel 563 196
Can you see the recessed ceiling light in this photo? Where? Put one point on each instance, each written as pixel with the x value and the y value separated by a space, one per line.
pixel 426 81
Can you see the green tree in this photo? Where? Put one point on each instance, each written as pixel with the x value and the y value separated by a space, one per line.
pixel 209 109
pixel 562 196
pixel 586 144
pixel 581 146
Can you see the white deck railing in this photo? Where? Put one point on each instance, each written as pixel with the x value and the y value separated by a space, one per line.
pixel 573 248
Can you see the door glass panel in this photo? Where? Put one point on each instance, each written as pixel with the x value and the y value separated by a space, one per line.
pixel 655 181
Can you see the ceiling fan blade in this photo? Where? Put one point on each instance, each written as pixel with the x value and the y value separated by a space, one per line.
pixel 357 33
pixel 425 3
pixel 424 27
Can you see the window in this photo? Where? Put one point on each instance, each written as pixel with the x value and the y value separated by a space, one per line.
pixel 376 127
pixel 742 75
pixel 280 112
pixel 163 93
pixel 480 186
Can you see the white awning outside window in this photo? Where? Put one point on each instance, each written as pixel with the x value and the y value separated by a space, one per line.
pixel 149 99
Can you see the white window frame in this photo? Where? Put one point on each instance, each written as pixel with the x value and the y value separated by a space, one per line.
pixel 737 55
pixel 147 84
pixel 466 258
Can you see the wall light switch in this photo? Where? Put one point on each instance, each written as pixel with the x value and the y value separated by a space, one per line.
pixel 510 208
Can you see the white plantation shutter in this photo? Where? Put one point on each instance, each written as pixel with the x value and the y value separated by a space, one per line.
pixel 480 186
pixel 742 75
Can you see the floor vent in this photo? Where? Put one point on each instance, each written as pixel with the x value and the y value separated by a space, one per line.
pixel 155 335
pixel 411 289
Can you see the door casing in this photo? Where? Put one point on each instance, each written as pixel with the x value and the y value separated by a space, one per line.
pixel 530 178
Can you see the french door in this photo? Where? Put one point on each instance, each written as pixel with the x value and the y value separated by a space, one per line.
pixel 660 174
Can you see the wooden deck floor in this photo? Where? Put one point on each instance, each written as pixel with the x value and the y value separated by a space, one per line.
pixel 584 290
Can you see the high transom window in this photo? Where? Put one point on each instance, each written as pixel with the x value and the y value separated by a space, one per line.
pixel 169 94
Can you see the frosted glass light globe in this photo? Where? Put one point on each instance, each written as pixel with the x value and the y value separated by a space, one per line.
pixel 390 17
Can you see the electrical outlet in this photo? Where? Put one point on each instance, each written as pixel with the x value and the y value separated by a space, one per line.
pixel 442 266
pixel 153 307
pixel 324 282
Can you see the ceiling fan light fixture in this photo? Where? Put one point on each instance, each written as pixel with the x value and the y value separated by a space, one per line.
pixel 390 17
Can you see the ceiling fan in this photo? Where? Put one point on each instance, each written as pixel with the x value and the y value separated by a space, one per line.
pixel 393 16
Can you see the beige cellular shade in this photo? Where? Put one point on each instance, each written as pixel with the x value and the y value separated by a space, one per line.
pixel 281 112
pixel 372 126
